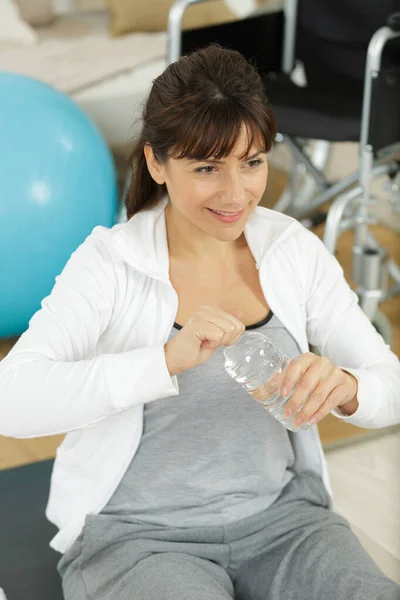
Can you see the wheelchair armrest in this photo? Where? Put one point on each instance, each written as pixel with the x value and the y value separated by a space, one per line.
pixel 373 65
pixel 175 27
pixel 393 21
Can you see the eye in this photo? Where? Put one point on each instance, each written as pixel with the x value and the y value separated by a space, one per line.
pixel 207 169
pixel 254 163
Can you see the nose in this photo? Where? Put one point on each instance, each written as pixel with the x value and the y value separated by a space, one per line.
pixel 233 193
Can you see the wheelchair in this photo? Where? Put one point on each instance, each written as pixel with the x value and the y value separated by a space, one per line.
pixel 349 51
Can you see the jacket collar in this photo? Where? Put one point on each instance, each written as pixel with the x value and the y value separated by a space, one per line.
pixel 142 241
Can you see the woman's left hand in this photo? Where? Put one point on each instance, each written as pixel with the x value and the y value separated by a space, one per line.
pixel 320 385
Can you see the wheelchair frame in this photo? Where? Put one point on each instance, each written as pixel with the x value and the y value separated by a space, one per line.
pixel 351 199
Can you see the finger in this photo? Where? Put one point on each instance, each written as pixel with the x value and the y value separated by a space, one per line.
pixel 204 331
pixel 238 314
pixel 235 338
pixel 230 325
pixel 330 379
pixel 312 370
pixel 211 336
pixel 332 401
pixel 239 335
pixel 318 398
pixel 295 369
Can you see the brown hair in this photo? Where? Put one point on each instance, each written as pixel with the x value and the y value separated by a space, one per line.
pixel 195 110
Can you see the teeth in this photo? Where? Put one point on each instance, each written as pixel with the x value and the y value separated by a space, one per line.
pixel 224 214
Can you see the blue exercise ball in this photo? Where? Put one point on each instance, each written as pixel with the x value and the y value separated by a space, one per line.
pixel 57 182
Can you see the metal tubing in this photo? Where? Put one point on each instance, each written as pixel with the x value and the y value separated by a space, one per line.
pixel 289 39
pixel 175 27
pixel 302 158
pixel 372 66
pixel 374 269
pixel 335 213
pixel 339 187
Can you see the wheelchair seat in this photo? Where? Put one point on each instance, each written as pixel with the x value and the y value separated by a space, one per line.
pixel 28 566
pixel 312 113
pixel 330 106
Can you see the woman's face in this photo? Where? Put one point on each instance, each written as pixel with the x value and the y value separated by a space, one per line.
pixel 216 197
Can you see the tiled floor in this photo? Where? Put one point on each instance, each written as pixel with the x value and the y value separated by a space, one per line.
pixel 365 480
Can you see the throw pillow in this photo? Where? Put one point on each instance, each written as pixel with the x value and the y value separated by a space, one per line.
pixel 152 15
pixel 37 13
pixel 90 4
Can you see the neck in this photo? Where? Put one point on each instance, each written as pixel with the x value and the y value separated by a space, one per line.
pixel 185 240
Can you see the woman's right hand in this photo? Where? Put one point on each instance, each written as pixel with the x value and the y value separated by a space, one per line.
pixel 207 329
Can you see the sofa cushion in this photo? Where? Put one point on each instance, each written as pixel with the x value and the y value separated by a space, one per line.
pixel 37 13
pixel 77 51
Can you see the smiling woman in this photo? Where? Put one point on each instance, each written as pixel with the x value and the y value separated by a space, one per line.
pixel 209 106
pixel 172 481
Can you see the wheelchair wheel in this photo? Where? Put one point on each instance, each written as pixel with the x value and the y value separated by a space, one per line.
pixel 383 326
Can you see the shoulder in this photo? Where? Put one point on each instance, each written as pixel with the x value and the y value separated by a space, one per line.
pixel 99 241
pixel 279 237
pixel 95 252
pixel 271 231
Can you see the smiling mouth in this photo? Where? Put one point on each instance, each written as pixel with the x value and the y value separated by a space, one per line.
pixel 226 214
pixel 227 217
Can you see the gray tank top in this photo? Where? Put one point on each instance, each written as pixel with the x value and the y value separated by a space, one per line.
pixel 211 455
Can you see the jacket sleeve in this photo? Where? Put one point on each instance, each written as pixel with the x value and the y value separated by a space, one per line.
pixel 53 381
pixel 341 331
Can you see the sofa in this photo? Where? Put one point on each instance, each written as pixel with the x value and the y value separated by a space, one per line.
pixel 85 52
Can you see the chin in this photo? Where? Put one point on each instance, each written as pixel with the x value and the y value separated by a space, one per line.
pixel 229 234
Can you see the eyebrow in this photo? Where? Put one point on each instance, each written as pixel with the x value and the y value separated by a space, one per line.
pixel 216 161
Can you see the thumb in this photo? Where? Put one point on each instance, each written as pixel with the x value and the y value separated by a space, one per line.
pixel 238 314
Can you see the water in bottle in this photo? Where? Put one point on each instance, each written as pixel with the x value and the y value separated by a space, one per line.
pixel 258 366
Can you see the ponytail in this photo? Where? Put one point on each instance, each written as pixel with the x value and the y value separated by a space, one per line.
pixel 143 192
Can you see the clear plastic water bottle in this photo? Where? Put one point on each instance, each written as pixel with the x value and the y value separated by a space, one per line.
pixel 258 365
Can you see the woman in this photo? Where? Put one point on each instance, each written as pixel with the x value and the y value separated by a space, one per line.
pixel 172 483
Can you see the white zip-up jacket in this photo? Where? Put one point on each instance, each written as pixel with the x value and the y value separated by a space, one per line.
pixel 94 354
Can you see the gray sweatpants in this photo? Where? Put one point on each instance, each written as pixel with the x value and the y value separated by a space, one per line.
pixel 296 549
